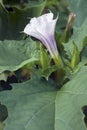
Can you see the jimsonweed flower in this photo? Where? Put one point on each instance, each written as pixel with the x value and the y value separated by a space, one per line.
pixel 43 28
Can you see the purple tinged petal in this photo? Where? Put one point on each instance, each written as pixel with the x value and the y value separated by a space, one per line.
pixel 43 29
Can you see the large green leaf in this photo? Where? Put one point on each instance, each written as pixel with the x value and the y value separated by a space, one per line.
pixel 30 105
pixel 69 103
pixel 12 22
pixel 15 54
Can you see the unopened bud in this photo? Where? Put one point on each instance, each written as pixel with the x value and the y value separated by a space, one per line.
pixel 70 21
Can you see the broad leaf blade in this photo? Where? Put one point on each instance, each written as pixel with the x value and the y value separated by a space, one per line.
pixel 69 103
pixel 15 54
pixel 30 105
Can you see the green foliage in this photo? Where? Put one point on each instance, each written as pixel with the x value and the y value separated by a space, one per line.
pixel 75 57
pixel 79 34
pixel 31 105
pixel 16 54
pixel 69 103
pixel 14 17
pixel 80 28
pixel 44 58
pixel 79 9
pixel 77 54
pixel 40 103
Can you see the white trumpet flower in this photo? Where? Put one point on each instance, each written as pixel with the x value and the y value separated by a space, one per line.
pixel 43 29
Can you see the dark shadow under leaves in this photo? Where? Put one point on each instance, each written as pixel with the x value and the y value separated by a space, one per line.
pixel 84 109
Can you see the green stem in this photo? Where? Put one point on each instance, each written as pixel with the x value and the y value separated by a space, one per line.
pixel 60 73
pixel 58 61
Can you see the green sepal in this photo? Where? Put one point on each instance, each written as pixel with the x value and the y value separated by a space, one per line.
pixel 75 57
pixel 44 58
pixel 46 73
